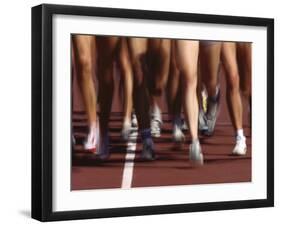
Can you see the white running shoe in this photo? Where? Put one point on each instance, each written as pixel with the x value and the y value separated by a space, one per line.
pixel 240 147
pixel 178 135
pixel 155 126
pixel 195 154
pixel 91 141
pixel 126 130
pixel 155 123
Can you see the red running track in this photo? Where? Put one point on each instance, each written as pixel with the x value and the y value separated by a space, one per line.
pixel 172 165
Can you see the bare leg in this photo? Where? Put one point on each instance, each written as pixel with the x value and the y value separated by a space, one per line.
pixel 159 62
pixel 84 54
pixel 174 97
pixel 232 79
pixel 187 59
pixel 209 62
pixel 244 59
pixel 107 47
pixel 127 74
pixel 138 48
pixel 233 95
pixel 210 53
pixel 173 86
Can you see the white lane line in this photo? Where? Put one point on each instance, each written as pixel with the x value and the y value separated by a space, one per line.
pixel 129 161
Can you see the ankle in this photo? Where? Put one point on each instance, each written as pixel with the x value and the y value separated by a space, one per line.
pixel 195 140
pixel 240 134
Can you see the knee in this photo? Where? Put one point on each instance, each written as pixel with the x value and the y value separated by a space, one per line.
pixel 126 71
pixel 138 73
pixel 233 81
pixel 190 79
pixel 85 67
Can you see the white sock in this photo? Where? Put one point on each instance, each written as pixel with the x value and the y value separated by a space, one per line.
pixel 194 141
pixel 156 112
pixel 93 128
pixel 240 134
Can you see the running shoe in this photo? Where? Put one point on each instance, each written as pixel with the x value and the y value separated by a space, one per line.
pixel 155 125
pixel 202 125
pixel 213 106
pixel 240 146
pixel 126 130
pixel 148 150
pixel 184 125
pixel 178 135
pixel 90 143
pixel 195 154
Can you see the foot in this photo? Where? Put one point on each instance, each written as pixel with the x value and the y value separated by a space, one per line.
pixel 148 150
pixel 184 125
pixel 90 143
pixel 155 125
pixel 126 130
pixel 195 154
pixel 213 104
pixel 178 135
pixel 240 147
pixel 103 147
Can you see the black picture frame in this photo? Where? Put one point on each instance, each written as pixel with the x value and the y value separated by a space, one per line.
pixel 42 108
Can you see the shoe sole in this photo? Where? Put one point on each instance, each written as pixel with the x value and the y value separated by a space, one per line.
pixel 240 154
pixel 196 162
pixel 155 134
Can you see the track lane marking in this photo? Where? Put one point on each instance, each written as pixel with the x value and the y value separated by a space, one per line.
pixel 128 171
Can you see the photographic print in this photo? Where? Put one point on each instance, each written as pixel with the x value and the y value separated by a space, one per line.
pixel 159 112
pixel 138 112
